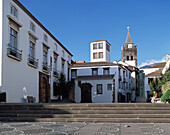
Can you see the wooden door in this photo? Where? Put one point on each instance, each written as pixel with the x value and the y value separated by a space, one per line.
pixel 43 90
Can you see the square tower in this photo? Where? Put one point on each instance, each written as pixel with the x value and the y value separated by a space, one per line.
pixel 129 52
pixel 100 51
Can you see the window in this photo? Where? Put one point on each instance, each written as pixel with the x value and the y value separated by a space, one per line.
pixel 14 11
pixel 45 38
pixel 108 48
pixel 55 63
pixel 63 53
pixel 74 73
pixel 94 55
pixel 100 45
pixel 99 89
pixel 31 50
pixel 131 57
pixel 100 55
pixel 62 66
pixel 106 71
pixel 109 86
pixel 150 80
pixel 94 71
pixel 94 46
pixel 127 57
pixel 44 56
pixel 32 26
pixel 13 39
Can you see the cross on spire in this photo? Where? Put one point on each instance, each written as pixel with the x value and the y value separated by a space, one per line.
pixel 128 28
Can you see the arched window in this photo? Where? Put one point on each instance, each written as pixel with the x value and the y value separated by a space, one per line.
pixel 127 57
pixel 14 11
pixel 131 57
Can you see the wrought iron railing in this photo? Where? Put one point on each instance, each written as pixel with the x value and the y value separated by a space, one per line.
pixel 32 61
pixel 45 67
pixel 12 51
pixel 55 72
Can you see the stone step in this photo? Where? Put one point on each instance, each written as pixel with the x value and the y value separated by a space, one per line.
pixel 87 115
pixel 94 120
pixel 83 108
pixel 44 105
pixel 86 111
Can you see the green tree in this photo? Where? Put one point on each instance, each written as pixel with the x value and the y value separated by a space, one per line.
pixel 157 83
pixel 63 88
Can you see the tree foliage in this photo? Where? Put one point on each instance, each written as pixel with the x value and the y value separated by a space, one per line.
pixel 63 88
pixel 157 83
pixel 166 96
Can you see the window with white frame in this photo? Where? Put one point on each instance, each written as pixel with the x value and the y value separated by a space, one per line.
pixel 106 71
pixel 94 55
pixel 45 38
pixel 94 46
pixel 100 45
pixel 62 66
pixel 14 11
pixel 32 27
pixel 32 50
pixel 94 71
pixel 63 53
pixel 99 89
pixel 109 86
pixel 100 55
pixel 45 51
pixel 108 48
pixel 13 39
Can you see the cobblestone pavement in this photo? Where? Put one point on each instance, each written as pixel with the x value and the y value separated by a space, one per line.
pixel 56 128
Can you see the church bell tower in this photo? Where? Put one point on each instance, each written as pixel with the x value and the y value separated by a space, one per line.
pixel 129 51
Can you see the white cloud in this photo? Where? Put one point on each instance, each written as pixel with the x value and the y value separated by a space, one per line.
pixel 149 62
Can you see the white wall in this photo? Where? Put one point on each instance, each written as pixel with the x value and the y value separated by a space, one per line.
pixel 1 42
pixel 106 54
pixel 106 97
pixel 18 76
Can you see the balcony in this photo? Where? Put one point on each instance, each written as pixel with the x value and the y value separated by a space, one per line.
pixel 55 72
pixel 45 67
pixel 32 62
pixel 14 53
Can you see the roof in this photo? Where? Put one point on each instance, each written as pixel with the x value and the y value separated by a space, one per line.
pixel 128 39
pixel 155 73
pixel 101 40
pixel 159 65
pixel 95 77
pixel 40 24
pixel 90 64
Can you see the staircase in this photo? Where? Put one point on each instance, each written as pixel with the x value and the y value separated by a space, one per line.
pixel 117 113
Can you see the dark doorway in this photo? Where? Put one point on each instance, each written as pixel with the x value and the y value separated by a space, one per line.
pixel 43 90
pixel 86 93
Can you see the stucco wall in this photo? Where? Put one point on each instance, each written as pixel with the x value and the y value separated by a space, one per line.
pixel 19 78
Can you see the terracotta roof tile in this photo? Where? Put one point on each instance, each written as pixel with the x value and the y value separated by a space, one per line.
pixel 155 73
pixel 159 65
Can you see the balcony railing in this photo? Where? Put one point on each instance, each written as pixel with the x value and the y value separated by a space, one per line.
pixel 55 72
pixel 14 52
pixel 33 61
pixel 45 67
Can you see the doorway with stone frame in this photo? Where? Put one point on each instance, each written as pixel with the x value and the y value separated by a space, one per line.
pixel 44 88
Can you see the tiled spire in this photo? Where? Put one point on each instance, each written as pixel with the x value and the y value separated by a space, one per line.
pixel 128 39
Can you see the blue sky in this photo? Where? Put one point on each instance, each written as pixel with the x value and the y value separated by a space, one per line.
pixel 75 23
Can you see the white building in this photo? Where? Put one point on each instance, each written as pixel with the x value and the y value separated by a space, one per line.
pixel 151 73
pixel 30 56
pixel 101 80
